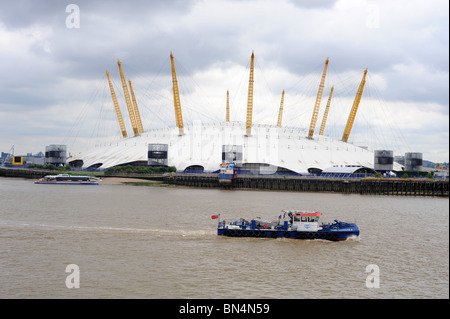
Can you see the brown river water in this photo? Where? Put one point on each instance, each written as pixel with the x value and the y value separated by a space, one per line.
pixel 160 242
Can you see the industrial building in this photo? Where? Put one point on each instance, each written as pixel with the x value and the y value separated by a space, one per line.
pixel 9 159
pixel 255 148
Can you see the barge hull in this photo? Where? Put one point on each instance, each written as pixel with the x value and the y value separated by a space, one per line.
pixel 325 235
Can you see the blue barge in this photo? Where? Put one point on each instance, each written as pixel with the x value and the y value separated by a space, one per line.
pixel 299 225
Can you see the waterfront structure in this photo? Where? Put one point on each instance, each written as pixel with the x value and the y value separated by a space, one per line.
pixel 8 159
pixel 384 160
pixel 262 149
pixel 268 150
pixel 37 159
pixel 413 161
pixel 55 155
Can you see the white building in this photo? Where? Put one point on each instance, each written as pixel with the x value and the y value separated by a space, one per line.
pixel 257 148
pixel 268 149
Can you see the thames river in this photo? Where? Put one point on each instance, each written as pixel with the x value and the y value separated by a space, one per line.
pixel 123 241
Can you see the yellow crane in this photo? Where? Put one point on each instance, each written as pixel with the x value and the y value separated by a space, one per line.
pixel 136 110
pixel 280 112
pixel 176 98
pixel 325 115
pixel 318 99
pixel 116 106
pixel 228 107
pixel 127 99
pixel 352 115
pixel 248 125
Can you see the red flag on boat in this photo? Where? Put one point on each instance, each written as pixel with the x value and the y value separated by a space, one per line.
pixel 214 216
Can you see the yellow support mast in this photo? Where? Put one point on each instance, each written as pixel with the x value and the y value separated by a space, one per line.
pixel 136 110
pixel 325 115
pixel 127 99
pixel 248 125
pixel 228 107
pixel 116 106
pixel 280 112
pixel 318 99
pixel 352 115
pixel 176 98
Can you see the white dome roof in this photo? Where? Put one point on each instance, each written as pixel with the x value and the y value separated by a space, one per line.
pixel 201 144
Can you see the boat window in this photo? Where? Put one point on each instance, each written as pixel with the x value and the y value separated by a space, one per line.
pixel 306 219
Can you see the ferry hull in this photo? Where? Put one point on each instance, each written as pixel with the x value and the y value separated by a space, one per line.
pixel 268 233
pixel 65 183
pixel 66 179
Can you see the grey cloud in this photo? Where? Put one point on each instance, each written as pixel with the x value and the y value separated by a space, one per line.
pixel 314 4
pixel 412 60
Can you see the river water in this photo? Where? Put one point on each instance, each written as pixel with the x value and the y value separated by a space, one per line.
pixel 160 242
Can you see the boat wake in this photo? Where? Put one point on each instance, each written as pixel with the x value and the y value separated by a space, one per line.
pixel 353 238
pixel 111 229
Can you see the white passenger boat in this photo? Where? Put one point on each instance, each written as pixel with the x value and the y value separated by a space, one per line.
pixel 66 179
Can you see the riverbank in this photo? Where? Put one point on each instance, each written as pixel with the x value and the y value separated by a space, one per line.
pixel 131 181
pixel 106 180
pixel 363 186
pixel 39 173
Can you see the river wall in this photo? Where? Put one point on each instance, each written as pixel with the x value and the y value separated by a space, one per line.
pixel 364 186
pixel 370 186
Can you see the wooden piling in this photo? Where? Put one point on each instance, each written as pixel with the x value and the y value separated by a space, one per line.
pixel 390 187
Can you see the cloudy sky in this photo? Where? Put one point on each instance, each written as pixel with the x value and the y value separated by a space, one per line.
pixel 53 59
